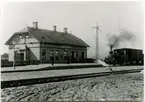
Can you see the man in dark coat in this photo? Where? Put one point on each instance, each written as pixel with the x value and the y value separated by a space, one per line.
pixel 52 60
pixel 67 59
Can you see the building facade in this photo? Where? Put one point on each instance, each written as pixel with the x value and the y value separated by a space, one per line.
pixel 35 44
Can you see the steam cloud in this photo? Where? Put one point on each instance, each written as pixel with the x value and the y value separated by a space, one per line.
pixel 123 37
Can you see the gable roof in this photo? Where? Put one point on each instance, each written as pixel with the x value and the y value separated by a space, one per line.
pixel 53 37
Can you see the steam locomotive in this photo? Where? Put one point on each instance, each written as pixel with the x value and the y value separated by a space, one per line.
pixel 125 56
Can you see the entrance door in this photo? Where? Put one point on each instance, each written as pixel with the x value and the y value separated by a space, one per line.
pixel 21 56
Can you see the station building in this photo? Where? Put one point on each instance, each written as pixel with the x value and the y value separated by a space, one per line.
pixel 35 44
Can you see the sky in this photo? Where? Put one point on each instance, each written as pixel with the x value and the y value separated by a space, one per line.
pixel 79 18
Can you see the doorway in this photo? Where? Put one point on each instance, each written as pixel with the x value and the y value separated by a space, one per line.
pixel 21 56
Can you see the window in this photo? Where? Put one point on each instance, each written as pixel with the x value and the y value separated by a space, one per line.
pixel 27 36
pixel 115 53
pixel 124 52
pixel 65 55
pixel 76 54
pixel 51 54
pixel 65 52
pixel 20 36
pixel 16 40
pixel 61 55
pixel 72 54
pixel 43 54
pixel 56 55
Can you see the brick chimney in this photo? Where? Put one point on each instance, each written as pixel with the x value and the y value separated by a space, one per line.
pixel 65 30
pixel 35 25
pixel 54 28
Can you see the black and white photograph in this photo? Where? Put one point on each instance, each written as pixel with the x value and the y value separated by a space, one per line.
pixel 72 51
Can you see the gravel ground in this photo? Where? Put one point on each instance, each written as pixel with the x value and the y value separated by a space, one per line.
pixel 112 87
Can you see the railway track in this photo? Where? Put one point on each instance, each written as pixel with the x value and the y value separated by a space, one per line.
pixel 22 82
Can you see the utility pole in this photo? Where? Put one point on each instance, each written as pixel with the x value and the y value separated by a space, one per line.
pixel 97 41
pixel 119 26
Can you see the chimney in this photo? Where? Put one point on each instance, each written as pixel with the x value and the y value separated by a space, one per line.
pixel 111 46
pixel 54 28
pixel 65 30
pixel 35 25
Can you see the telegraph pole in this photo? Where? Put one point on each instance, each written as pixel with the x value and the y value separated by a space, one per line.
pixel 97 41
pixel 119 26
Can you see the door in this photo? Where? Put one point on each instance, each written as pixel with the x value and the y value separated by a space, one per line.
pixel 21 56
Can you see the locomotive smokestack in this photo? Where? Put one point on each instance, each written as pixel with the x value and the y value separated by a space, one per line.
pixel 111 47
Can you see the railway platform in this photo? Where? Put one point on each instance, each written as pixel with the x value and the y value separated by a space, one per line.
pixel 47 67
pixel 63 72
pixel 20 78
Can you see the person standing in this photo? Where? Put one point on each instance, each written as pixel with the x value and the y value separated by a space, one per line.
pixel 52 60
pixel 67 59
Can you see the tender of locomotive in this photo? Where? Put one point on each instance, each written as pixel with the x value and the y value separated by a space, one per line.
pixel 125 56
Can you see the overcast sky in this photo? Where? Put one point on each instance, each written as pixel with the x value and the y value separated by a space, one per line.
pixel 78 17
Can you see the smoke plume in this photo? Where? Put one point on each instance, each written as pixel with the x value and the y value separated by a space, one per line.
pixel 124 37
